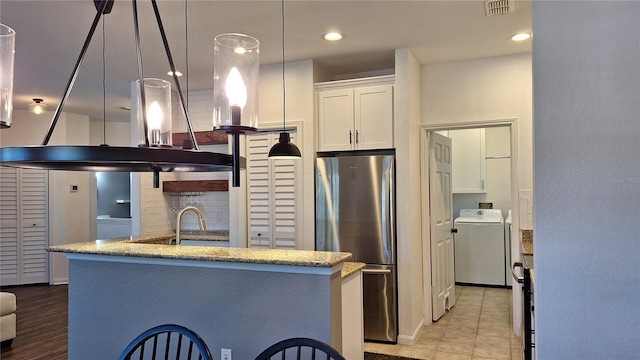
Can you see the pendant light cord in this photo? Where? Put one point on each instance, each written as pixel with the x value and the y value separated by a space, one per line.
pixel 284 86
pixel 186 49
pixel 104 86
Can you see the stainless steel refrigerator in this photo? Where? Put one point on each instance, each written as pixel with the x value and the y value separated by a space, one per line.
pixel 355 212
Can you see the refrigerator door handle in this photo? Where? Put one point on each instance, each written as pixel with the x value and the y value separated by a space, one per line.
pixel 376 271
pixel 391 212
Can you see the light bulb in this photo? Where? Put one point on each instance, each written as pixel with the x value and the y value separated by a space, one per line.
pixel 235 89
pixel 37 109
pixel 154 116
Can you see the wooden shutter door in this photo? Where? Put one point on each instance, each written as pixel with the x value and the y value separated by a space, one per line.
pixel 258 188
pixel 33 214
pixel 283 184
pixel 272 187
pixel 9 259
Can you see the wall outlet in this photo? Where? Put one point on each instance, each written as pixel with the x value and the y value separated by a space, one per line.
pixel 225 354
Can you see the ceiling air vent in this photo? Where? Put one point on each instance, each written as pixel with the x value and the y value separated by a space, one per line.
pixel 499 7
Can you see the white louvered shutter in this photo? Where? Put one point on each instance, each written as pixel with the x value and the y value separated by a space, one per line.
pixel 258 188
pixel 9 259
pixel 23 226
pixel 33 213
pixel 272 187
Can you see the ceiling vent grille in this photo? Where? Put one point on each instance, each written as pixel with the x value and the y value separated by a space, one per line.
pixel 499 7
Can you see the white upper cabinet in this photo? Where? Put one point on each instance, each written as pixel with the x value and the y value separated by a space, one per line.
pixel 468 161
pixel 355 114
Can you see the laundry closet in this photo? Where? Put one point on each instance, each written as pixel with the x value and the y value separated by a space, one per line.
pixel 481 187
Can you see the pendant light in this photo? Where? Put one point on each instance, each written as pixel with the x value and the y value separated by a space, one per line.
pixel 235 90
pixel 37 106
pixel 143 158
pixel 284 148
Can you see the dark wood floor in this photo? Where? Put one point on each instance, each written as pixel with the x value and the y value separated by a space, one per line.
pixel 41 323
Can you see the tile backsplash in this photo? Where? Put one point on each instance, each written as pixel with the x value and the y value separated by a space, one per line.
pixel 213 205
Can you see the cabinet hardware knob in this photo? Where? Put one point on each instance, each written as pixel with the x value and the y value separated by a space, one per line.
pixel 349 136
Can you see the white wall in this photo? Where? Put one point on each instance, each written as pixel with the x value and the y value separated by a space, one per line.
pixel 479 90
pixel 411 302
pixel 300 111
pixel 586 62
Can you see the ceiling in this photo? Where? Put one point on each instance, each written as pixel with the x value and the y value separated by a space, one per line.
pixel 50 34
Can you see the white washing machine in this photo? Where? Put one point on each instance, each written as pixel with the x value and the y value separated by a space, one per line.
pixel 480 247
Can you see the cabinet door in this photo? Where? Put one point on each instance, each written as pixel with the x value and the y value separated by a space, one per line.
pixel 374 117
pixel 468 161
pixel 9 220
pixel 335 120
pixel 34 212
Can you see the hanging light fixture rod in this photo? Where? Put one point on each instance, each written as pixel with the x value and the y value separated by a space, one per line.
pixel 117 158
pixel 103 5
pixel 172 66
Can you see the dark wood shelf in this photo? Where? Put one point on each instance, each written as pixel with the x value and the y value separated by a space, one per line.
pixel 195 185
pixel 202 137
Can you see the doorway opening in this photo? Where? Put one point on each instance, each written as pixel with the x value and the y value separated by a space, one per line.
pixel 486 151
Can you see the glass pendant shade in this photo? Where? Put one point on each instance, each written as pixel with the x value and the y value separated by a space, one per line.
pixel 235 89
pixel 7 50
pixel 157 96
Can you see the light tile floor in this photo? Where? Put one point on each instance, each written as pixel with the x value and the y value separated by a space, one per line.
pixel 478 327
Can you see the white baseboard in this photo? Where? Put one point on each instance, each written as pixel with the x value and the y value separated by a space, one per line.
pixel 411 339
pixel 60 281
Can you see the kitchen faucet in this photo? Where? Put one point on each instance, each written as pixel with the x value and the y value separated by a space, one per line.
pixel 203 226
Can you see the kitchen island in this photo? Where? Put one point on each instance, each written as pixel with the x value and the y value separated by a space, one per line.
pixel 235 298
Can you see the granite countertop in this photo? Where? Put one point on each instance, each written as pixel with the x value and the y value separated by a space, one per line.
pixel 349 268
pixel 526 248
pixel 526 240
pixel 155 246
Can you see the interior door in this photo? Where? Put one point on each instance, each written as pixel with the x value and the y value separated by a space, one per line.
pixel 441 199
pixel 23 226
pixel 272 187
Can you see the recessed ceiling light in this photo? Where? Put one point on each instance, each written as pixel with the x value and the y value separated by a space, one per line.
pixel 170 73
pixel 520 37
pixel 333 36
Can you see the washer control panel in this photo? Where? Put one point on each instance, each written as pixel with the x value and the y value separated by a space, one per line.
pixel 481 213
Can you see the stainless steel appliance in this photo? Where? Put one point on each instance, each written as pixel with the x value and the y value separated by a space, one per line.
pixel 355 212
pixel 528 309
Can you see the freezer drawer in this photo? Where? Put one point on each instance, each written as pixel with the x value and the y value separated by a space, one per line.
pixel 380 304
